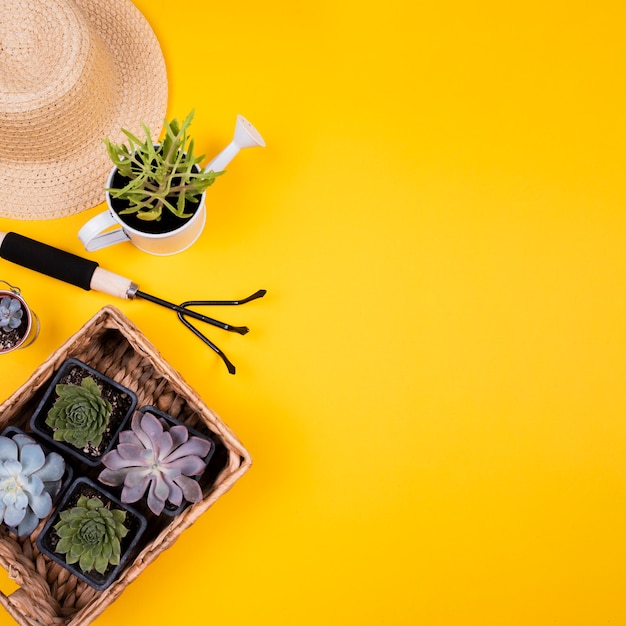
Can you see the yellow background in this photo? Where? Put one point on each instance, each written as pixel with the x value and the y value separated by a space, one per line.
pixel 433 389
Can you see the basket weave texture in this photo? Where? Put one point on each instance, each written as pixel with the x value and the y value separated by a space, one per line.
pixel 49 595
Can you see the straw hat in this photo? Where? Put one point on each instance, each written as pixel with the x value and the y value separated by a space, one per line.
pixel 72 72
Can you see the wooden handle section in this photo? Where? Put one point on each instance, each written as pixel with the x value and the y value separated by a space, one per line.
pixel 113 284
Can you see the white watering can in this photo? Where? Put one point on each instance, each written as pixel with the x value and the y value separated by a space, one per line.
pixel 97 233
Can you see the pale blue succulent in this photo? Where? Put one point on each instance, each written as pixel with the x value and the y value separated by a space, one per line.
pixel 28 480
pixel 10 313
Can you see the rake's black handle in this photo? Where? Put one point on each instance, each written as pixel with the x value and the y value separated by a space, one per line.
pixel 48 260
pixel 62 265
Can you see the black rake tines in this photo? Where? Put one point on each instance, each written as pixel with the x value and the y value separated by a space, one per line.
pixel 184 312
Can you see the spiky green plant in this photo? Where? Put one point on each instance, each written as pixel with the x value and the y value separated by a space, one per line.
pixel 90 534
pixel 159 176
pixel 80 415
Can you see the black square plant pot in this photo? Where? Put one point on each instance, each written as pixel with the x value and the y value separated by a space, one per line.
pixel 122 399
pixel 135 522
pixel 66 479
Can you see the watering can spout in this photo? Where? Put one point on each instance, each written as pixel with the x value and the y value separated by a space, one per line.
pixel 246 136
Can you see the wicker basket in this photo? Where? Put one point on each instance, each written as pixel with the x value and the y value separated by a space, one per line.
pixel 49 595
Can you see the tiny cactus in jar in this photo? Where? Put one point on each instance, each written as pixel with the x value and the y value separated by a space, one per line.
pixel 11 313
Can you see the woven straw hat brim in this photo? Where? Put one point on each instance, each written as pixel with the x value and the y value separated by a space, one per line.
pixel 53 162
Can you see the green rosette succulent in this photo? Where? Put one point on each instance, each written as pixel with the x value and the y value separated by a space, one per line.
pixel 90 534
pixel 80 415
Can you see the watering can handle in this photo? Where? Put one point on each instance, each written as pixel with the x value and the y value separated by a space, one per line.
pixel 64 266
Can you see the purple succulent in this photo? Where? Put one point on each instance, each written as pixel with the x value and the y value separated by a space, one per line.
pixel 157 460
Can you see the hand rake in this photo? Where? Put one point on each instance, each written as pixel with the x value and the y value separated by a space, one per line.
pixel 88 275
